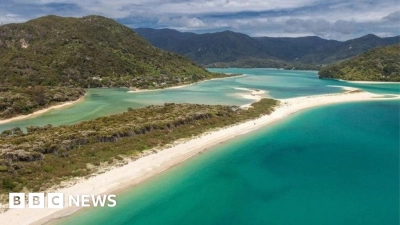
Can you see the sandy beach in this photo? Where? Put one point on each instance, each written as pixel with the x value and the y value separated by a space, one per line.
pixel 39 112
pixel 370 82
pixel 122 177
pixel 136 90
pixel 252 94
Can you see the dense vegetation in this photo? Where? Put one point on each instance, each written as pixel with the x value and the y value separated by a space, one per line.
pixel 380 64
pixel 231 49
pixel 91 51
pixel 85 52
pixel 265 63
pixel 47 155
pixel 20 100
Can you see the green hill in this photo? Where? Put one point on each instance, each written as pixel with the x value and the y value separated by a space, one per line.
pixel 379 64
pixel 76 53
pixel 90 51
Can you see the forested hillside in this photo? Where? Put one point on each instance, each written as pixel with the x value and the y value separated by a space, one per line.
pixel 57 57
pixel 380 64
pixel 231 49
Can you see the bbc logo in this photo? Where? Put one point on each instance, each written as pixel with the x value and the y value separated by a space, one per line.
pixel 56 200
pixel 36 200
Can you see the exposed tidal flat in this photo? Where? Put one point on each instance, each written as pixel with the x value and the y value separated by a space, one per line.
pixel 260 178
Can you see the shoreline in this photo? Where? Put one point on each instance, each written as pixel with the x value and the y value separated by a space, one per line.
pixel 134 172
pixel 255 95
pixel 180 86
pixel 80 99
pixel 158 89
pixel 41 111
pixel 369 82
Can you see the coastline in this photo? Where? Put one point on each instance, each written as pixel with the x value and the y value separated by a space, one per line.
pixel 70 103
pixel 41 111
pixel 118 178
pixel 159 89
pixel 255 95
pixel 373 82
pixel 369 82
pixel 181 86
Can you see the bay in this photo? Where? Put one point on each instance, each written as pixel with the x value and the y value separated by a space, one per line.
pixel 337 164
pixel 279 84
pixel 102 102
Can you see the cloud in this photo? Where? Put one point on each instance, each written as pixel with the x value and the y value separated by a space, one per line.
pixel 395 17
pixel 183 21
pixel 318 26
pixel 344 27
pixel 330 19
pixel 11 18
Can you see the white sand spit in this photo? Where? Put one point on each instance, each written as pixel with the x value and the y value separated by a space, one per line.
pixel 136 171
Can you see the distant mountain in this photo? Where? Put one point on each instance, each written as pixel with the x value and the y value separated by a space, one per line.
pixel 229 48
pixel 379 64
pixel 357 46
pixel 226 46
pixel 303 49
pixel 92 51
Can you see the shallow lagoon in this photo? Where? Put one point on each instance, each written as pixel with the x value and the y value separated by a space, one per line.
pixel 336 164
pixel 276 83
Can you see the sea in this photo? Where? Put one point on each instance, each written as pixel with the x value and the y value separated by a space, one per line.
pixel 335 164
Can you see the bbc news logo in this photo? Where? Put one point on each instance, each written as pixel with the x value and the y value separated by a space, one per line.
pixel 58 201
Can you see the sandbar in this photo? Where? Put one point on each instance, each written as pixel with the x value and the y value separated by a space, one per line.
pixel 135 171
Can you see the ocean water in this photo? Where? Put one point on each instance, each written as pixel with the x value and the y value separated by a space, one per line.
pixel 337 164
pixel 277 84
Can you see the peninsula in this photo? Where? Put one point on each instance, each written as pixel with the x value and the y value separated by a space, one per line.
pixel 50 60
pixel 125 166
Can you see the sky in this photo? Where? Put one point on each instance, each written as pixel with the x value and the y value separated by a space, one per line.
pixel 329 19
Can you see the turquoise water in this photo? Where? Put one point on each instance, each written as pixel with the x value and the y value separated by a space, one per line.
pixel 277 84
pixel 102 102
pixel 337 164
pixel 292 83
pixel 98 102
